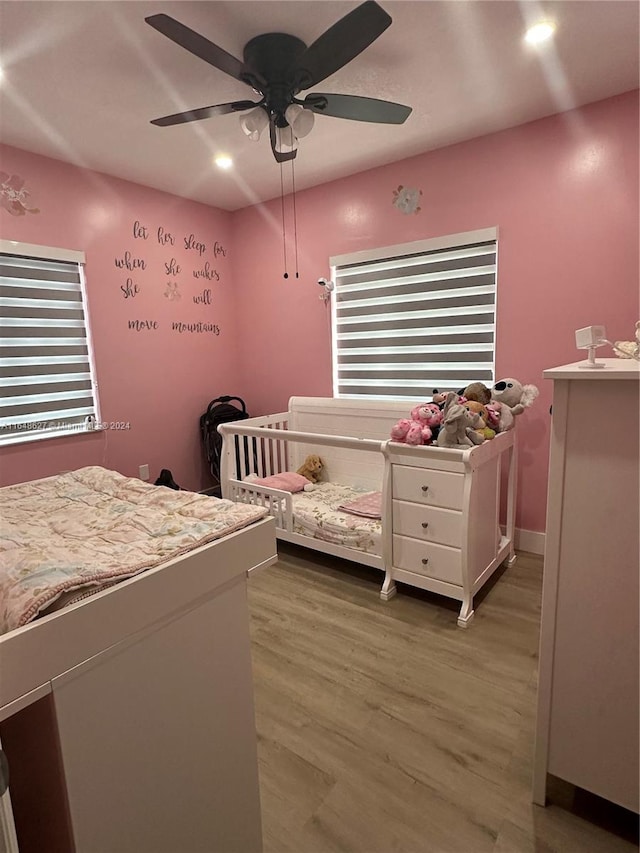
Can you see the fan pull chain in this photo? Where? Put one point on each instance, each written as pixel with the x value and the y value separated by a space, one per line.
pixel 284 238
pixel 295 216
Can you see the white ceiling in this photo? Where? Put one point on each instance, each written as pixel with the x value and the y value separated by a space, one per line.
pixel 83 79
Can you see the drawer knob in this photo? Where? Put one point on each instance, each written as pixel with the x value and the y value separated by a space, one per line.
pixel 425 488
pixel 425 524
pixel 425 560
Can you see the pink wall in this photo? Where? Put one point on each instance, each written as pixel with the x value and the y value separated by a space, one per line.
pixel 158 380
pixel 563 192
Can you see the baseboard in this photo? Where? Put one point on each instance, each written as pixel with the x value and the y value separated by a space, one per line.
pixel 530 540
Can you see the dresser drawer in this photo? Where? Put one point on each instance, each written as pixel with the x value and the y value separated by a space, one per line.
pixel 428 559
pixel 425 486
pixel 428 523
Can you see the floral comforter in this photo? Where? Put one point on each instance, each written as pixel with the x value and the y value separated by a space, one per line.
pixel 83 531
pixel 316 514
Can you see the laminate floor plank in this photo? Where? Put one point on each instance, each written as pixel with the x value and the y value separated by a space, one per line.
pixel 385 728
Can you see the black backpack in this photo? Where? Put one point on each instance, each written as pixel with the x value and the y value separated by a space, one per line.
pixel 219 411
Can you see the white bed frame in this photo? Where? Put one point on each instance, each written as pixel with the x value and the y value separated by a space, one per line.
pixel 441 507
pixel 148 688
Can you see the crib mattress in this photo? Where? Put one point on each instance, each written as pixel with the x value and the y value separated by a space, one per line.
pixel 316 514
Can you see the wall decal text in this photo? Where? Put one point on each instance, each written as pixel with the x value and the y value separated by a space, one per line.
pixel 165 237
pixel 196 327
pixel 207 272
pixel 190 242
pixel 143 325
pixel 128 261
pixel 203 298
pixel 129 289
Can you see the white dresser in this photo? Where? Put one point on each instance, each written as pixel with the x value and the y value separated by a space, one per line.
pixel 445 507
pixel 587 726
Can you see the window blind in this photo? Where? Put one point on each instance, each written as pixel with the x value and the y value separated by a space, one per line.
pixel 46 381
pixel 409 319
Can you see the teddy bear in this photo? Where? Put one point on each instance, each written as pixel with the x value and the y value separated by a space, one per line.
pixel 440 398
pixel 311 468
pixel 400 430
pixel 408 431
pixel 511 398
pixel 458 425
pixel 483 425
pixel 477 391
pixel 429 416
pixel 421 428
pixel 628 349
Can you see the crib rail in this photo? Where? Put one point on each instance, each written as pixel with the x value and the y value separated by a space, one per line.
pixel 277 502
pixel 261 451
pixel 261 446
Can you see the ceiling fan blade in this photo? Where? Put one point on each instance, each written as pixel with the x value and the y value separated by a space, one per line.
pixel 196 44
pixel 357 109
pixel 341 43
pixel 203 112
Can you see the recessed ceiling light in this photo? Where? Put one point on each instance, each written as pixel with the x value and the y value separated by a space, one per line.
pixel 223 162
pixel 540 32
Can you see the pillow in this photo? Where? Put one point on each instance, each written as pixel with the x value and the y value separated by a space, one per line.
pixel 288 481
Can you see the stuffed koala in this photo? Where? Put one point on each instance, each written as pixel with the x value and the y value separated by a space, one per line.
pixel 458 425
pixel 513 398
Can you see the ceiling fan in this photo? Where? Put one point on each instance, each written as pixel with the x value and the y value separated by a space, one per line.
pixel 278 67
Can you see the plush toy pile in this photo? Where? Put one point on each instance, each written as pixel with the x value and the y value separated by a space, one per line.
pixel 470 417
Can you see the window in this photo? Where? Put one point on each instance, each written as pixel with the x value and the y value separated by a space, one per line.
pixel 46 373
pixel 411 318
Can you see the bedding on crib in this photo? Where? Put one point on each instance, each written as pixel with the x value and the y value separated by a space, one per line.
pixel 64 537
pixel 318 514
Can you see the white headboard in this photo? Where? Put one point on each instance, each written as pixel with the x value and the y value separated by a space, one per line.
pixel 370 419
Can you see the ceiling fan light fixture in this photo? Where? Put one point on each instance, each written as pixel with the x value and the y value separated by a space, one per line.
pixel 254 122
pixel 299 120
pixel 286 140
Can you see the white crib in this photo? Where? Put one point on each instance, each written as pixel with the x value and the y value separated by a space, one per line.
pixel 440 525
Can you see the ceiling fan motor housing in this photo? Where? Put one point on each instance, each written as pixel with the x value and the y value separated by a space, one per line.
pixel 269 60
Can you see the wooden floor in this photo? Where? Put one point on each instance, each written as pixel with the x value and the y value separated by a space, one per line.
pixel 385 728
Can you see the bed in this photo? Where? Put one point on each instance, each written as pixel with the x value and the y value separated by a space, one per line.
pixel 440 509
pixel 125 669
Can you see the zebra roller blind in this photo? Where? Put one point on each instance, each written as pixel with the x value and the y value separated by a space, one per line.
pixel 412 318
pixel 46 381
